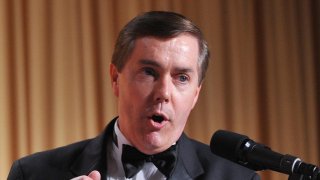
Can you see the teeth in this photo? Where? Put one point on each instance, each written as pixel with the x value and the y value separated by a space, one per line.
pixel 157 118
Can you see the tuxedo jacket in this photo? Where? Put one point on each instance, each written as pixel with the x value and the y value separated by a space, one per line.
pixel 195 161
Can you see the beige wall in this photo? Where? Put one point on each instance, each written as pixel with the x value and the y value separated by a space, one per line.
pixel 263 79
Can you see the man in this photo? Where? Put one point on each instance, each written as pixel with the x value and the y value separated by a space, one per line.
pixel 157 70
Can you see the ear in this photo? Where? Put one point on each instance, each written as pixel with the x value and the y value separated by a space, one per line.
pixel 196 95
pixel 114 75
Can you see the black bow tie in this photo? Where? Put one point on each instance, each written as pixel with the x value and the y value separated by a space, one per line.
pixel 133 160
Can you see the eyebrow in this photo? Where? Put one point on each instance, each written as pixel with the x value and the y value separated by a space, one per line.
pixel 156 64
pixel 149 62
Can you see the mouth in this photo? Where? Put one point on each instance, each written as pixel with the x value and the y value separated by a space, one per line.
pixel 158 118
pixel 158 121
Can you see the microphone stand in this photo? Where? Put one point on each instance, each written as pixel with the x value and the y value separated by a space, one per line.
pixel 304 171
pixel 302 177
pixel 294 176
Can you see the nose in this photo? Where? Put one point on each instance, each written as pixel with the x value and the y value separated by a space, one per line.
pixel 163 91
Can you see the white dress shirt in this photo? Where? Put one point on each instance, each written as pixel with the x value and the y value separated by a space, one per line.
pixel 115 169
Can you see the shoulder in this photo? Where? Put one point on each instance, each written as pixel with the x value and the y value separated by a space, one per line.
pixel 63 154
pixel 64 162
pixel 217 167
pixel 49 163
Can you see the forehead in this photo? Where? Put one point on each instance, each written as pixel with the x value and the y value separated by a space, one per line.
pixel 181 41
pixel 177 54
pixel 180 48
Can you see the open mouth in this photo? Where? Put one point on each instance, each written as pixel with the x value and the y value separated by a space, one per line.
pixel 157 118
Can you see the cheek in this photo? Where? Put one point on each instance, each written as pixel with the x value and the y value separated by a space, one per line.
pixel 141 90
pixel 184 105
pixel 187 100
pixel 183 109
pixel 133 96
pixel 179 126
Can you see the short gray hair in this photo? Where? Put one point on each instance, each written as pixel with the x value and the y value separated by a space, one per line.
pixel 163 25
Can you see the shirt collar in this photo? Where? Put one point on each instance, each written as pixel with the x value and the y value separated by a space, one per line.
pixel 119 138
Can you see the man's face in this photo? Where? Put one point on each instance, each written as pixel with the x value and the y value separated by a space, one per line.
pixel 156 90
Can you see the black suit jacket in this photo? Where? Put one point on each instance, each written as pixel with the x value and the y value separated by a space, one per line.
pixel 195 161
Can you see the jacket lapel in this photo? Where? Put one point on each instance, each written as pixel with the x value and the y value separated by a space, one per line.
pixel 188 165
pixel 93 156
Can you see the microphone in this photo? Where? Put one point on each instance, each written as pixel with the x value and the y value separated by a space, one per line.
pixel 244 151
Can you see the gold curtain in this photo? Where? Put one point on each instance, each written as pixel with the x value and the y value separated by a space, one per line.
pixel 263 80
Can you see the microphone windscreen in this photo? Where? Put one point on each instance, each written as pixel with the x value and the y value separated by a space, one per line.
pixel 227 144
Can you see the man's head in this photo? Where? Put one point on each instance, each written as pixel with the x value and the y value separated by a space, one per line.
pixel 156 73
pixel 163 25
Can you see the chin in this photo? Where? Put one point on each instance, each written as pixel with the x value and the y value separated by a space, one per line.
pixel 154 143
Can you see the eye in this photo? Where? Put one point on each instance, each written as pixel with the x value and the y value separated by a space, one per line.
pixel 183 78
pixel 149 71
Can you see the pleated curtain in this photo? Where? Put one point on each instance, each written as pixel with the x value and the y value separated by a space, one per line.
pixel 263 79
